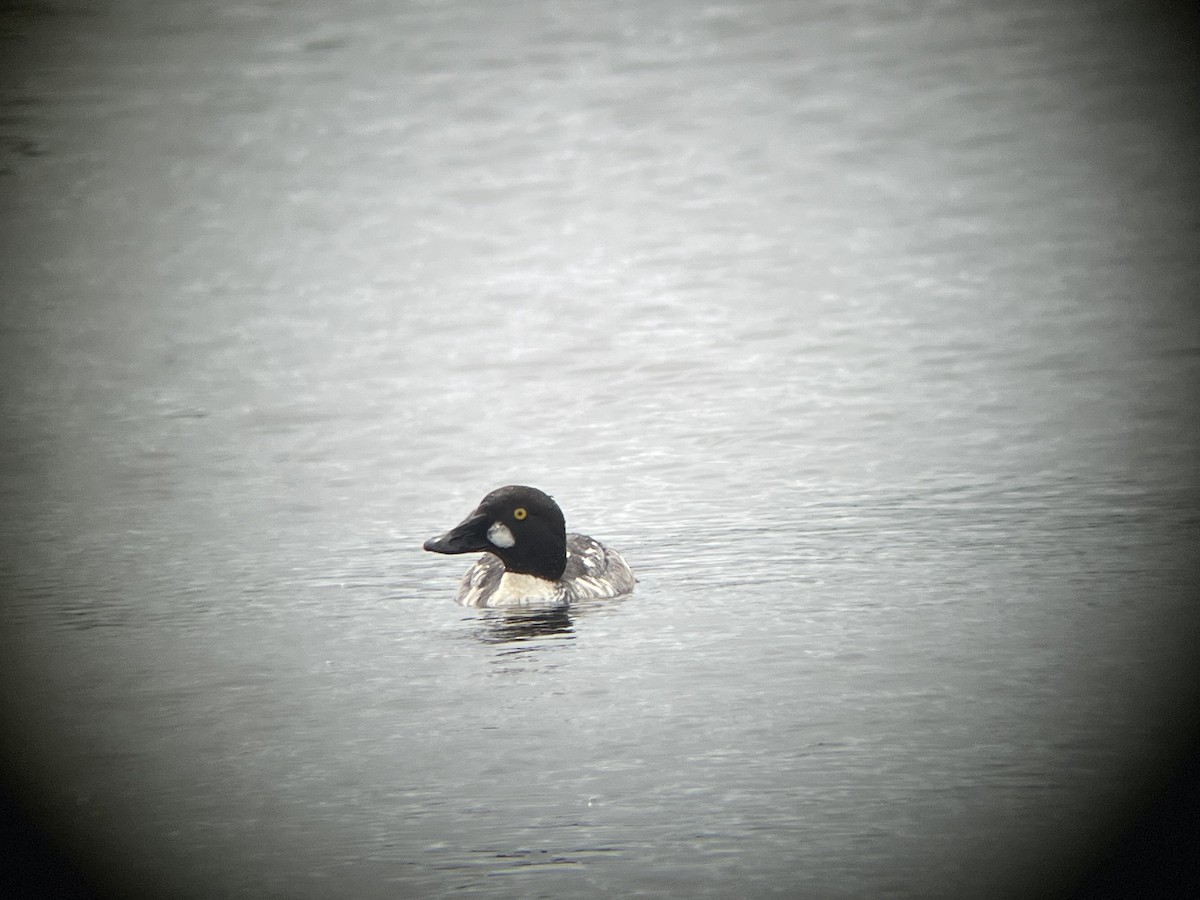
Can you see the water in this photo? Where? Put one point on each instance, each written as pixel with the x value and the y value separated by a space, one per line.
pixel 866 336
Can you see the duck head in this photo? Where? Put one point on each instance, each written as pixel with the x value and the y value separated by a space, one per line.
pixel 521 525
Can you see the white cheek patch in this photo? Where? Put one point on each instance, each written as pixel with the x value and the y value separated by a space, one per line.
pixel 500 536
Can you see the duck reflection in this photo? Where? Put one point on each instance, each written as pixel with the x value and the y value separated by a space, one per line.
pixel 520 626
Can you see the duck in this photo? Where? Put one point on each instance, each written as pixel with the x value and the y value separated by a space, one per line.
pixel 529 559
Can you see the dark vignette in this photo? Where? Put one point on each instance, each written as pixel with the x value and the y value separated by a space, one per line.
pixel 1152 848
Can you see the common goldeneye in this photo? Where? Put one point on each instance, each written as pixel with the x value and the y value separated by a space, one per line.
pixel 530 560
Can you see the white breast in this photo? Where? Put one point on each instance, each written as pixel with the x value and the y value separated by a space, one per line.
pixel 516 589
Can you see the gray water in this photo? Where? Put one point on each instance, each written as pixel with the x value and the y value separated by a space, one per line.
pixel 866 335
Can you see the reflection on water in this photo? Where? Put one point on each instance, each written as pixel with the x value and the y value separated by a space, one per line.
pixel 525 626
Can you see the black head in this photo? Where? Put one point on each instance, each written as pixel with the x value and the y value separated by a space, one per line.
pixel 521 525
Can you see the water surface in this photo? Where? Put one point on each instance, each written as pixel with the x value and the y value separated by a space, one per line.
pixel 865 335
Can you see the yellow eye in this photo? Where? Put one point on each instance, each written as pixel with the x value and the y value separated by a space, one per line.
pixel 519 513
